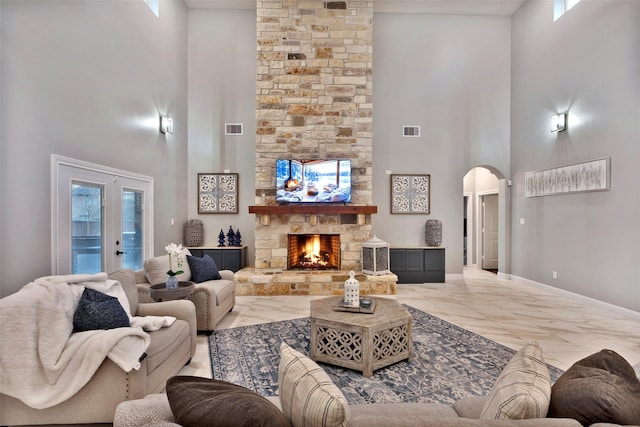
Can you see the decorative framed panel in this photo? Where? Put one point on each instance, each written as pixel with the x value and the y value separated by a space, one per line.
pixel 410 194
pixel 217 193
pixel 587 176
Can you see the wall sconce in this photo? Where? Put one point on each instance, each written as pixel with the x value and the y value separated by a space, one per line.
pixel 166 124
pixel 558 122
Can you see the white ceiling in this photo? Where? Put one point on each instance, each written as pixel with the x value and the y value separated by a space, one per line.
pixel 464 7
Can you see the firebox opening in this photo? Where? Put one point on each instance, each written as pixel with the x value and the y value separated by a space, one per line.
pixel 313 252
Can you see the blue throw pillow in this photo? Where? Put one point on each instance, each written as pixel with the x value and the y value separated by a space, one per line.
pixel 98 311
pixel 203 269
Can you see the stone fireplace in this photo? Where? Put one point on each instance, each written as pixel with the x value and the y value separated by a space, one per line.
pixel 314 101
pixel 313 252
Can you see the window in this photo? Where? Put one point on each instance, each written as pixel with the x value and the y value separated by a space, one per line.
pixel 560 7
pixel 154 5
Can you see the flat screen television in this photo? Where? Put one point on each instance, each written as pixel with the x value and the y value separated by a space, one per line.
pixel 313 181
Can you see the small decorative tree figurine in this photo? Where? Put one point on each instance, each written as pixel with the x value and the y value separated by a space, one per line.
pixel 238 238
pixel 231 237
pixel 221 239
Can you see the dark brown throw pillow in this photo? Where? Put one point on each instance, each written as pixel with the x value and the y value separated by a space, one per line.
pixel 201 402
pixel 601 388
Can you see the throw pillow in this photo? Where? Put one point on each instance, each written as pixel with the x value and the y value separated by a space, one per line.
pixel 202 402
pixel 203 269
pixel 601 388
pixel 155 269
pixel 96 310
pixel 523 388
pixel 307 395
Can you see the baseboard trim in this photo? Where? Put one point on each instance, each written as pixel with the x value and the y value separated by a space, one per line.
pixel 604 305
pixel 451 277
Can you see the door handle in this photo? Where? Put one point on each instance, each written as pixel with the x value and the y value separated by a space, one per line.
pixel 120 253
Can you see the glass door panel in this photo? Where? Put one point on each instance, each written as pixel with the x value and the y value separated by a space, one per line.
pixel 87 240
pixel 132 229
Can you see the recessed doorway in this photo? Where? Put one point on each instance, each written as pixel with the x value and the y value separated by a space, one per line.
pixel 482 220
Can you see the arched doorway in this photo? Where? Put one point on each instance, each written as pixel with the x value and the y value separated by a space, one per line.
pixel 486 219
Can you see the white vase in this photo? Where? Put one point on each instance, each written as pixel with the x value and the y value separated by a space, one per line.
pixel 172 282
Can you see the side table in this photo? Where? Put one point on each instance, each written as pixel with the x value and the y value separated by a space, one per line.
pixel 160 292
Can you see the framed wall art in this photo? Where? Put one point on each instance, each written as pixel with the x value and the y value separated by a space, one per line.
pixel 410 194
pixel 580 177
pixel 217 193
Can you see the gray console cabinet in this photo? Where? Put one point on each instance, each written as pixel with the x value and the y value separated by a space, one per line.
pixel 231 258
pixel 418 264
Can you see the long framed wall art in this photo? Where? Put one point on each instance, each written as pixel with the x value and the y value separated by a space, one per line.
pixel 593 175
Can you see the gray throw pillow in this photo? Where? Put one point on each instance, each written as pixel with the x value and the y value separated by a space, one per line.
pixel 601 388
pixel 522 390
pixel 202 402
pixel 98 311
pixel 203 269
pixel 307 395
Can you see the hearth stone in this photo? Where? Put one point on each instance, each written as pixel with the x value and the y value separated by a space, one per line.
pixel 262 282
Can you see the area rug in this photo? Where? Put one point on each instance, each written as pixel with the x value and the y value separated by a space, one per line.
pixel 449 363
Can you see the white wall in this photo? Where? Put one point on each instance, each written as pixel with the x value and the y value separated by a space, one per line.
pixel 587 63
pixel 87 80
pixel 451 76
pixel 222 89
pixel 483 181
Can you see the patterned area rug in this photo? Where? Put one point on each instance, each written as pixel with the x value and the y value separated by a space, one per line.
pixel 449 363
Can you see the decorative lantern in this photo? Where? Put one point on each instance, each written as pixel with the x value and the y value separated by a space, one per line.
pixel 193 233
pixel 433 232
pixel 352 291
pixel 375 256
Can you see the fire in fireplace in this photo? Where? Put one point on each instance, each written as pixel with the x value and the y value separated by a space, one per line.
pixel 313 252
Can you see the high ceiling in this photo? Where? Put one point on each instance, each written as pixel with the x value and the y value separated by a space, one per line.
pixel 464 7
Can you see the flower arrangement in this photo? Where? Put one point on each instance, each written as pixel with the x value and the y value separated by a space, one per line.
pixel 178 252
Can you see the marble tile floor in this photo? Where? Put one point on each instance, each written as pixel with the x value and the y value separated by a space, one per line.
pixel 507 311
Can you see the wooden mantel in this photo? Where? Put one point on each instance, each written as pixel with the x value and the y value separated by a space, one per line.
pixel 313 210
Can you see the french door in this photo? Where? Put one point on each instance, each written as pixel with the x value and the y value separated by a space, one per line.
pixel 101 218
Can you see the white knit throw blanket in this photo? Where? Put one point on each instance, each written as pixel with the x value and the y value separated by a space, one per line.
pixel 42 362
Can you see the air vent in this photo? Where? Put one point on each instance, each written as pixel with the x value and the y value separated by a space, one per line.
pixel 233 128
pixel 411 131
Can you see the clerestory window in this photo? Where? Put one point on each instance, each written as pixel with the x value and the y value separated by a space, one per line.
pixel 560 7
pixel 154 5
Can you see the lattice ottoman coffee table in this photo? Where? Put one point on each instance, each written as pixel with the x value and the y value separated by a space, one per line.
pixel 359 341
